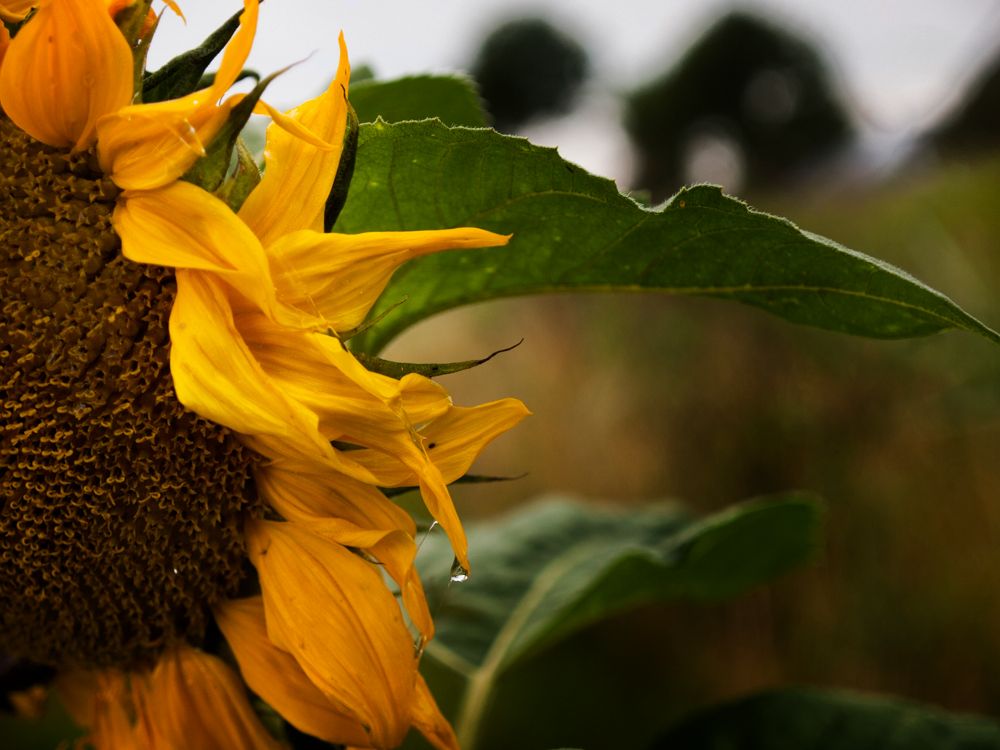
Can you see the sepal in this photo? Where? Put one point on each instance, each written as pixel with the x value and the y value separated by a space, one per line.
pixel 182 75
pixel 345 171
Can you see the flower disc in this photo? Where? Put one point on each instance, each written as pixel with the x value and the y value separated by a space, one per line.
pixel 120 511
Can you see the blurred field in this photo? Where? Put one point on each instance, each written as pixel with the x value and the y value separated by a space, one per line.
pixel 649 397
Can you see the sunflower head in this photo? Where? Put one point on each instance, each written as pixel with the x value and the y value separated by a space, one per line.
pixel 122 510
pixel 184 432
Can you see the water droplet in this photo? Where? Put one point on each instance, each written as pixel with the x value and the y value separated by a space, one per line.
pixel 458 573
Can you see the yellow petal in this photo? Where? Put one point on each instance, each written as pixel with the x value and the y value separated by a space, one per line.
pixel 4 42
pixel 339 276
pixel 293 127
pixel 145 146
pixel 451 444
pixel 15 10
pixel 66 68
pixel 216 376
pixel 183 226
pixel 453 441
pixel 300 495
pixel 355 515
pixel 196 702
pixel 333 613
pixel 277 678
pixel 237 50
pixel 101 703
pixel 297 175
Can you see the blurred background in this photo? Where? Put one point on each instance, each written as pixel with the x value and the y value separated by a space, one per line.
pixel 877 125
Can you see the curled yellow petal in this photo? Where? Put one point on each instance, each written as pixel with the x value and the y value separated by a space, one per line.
pixel 339 276
pixel 237 51
pixel 68 67
pixel 298 175
pixel 15 10
pixel 277 678
pixel 294 127
pixel 146 146
pixel 216 376
pixel 332 612
pixel 194 701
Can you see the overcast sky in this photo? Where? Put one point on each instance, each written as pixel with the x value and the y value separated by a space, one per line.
pixel 899 63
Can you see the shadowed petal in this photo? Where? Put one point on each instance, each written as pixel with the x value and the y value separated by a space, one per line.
pixel 277 678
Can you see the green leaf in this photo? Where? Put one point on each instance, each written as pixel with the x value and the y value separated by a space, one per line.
pixel 181 75
pixel 452 99
pixel 558 566
pixel 575 232
pixel 53 729
pixel 806 719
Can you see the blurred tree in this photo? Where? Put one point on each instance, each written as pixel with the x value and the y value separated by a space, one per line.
pixel 528 68
pixel 975 124
pixel 748 105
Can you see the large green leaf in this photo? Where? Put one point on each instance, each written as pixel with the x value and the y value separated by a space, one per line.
pixel 452 99
pixel 575 232
pixel 818 720
pixel 558 566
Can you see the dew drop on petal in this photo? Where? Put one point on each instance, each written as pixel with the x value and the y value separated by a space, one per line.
pixel 458 573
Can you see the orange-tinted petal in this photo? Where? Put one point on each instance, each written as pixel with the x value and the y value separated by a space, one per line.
pixel 277 678
pixel 68 67
pixel 298 494
pixel 100 702
pixel 453 441
pixel 4 42
pixel 333 613
pixel 194 701
pixel 15 10
pixel 298 175
pixel 339 276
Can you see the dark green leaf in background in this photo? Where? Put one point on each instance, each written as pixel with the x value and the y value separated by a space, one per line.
pixel 452 99
pixel 575 232
pixel 819 720
pixel 550 570
pixel 53 729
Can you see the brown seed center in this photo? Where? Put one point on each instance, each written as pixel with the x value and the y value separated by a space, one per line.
pixel 120 511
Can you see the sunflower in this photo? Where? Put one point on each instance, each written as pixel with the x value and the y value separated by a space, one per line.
pixel 185 439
